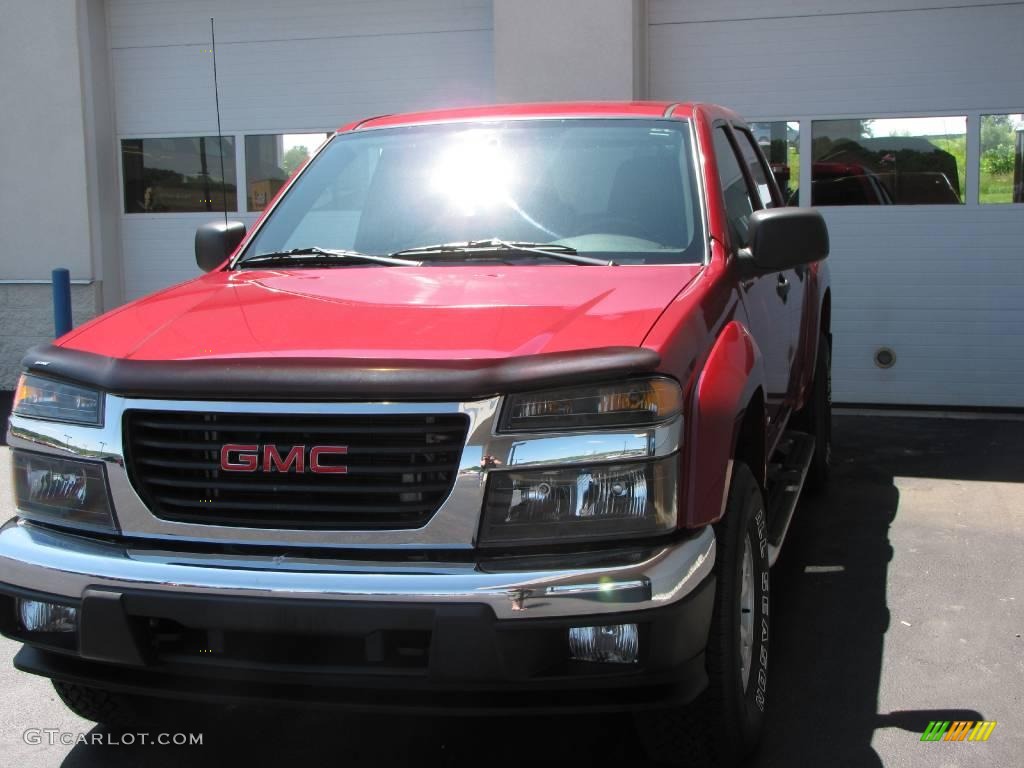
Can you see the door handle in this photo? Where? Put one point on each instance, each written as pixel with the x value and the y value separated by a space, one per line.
pixel 782 288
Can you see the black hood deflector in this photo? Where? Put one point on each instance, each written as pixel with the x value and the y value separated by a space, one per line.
pixel 337 379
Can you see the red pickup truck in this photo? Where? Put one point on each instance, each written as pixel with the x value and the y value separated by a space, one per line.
pixel 502 409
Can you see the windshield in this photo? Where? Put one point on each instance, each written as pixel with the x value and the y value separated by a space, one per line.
pixel 621 189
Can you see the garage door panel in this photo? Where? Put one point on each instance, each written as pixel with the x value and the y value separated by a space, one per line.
pixel 673 11
pixel 941 285
pixel 953 359
pixel 146 23
pixel 914 382
pixel 159 246
pixel 900 299
pixel 369 76
pixel 938 341
pixel 319 85
pixel 842 64
pixel 942 392
pixel 960 256
pixel 163 249
pixel 164 90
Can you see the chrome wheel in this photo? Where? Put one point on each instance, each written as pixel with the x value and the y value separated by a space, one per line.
pixel 746 612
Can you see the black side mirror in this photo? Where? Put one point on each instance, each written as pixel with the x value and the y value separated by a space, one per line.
pixel 783 238
pixel 216 241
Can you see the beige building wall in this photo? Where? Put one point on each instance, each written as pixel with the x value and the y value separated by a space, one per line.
pixel 553 50
pixel 50 200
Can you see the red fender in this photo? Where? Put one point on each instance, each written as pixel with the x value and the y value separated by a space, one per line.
pixel 730 378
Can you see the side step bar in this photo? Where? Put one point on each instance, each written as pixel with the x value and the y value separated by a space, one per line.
pixel 785 481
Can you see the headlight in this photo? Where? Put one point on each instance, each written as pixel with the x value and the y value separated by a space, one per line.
pixel 67 492
pixel 547 506
pixel 43 398
pixel 636 403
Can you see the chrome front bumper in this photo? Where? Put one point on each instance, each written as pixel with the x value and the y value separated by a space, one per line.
pixel 45 561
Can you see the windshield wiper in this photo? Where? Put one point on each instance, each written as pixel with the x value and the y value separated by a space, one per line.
pixel 315 256
pixel 551 250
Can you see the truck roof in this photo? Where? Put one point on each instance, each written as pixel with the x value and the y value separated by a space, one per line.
pixel 637 109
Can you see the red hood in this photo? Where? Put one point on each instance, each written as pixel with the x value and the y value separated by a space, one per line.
pixel 410 313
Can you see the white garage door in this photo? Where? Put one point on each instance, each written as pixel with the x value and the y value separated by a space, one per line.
pixel 288 72
pixel 939 282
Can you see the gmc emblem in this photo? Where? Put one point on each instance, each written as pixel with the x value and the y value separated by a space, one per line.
pixel 238 457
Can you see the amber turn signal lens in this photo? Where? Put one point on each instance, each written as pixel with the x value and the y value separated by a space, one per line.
pixel 632 403
pixel 42 398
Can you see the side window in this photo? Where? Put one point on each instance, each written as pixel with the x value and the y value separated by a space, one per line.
pixel 738 203
pixel 757 170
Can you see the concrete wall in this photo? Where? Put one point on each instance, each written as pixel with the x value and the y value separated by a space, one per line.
pixel 548 50
pixel 44 214
pixel 49 209
pixel 102 160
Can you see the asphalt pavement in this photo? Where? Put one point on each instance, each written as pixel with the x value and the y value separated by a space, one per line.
pixel 898 599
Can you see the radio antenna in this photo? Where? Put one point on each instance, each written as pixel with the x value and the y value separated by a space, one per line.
pixel 220 135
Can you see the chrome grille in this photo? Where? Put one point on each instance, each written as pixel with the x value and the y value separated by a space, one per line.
pixel 399 468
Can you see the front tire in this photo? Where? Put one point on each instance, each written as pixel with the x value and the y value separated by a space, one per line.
pixel 724 724
pixel 116 710
pixel 124 711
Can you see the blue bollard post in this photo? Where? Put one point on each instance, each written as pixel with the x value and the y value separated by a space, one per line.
pixel 61 301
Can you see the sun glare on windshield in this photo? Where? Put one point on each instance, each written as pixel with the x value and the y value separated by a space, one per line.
pixel 474 173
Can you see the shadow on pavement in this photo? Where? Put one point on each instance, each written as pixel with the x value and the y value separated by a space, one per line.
pixel 829 585
pixel 829 622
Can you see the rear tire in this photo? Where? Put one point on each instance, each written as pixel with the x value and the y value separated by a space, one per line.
pixel 724 724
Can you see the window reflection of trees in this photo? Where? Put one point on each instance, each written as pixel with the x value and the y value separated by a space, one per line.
pixel 852 166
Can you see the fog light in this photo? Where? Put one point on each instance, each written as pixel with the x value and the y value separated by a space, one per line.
pixel 617 644
pixel 37 616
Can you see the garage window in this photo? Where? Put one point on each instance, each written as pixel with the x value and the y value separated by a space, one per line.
pixel 1001 176
pixel 270 159
pixel 178 175
pixel 890 161
pixel 780 142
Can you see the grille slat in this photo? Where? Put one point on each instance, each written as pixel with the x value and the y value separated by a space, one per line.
pixel 316 429
pixel 242 485
pixel 309 521
pixel 269 506
pixel 169 445
pixel 399 468
pixel 378 469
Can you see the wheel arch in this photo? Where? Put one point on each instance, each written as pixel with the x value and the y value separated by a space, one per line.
pixel 727 412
